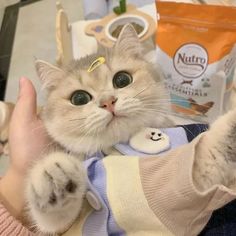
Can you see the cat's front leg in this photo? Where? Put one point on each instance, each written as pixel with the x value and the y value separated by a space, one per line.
pixel 55 189
pixel 215 157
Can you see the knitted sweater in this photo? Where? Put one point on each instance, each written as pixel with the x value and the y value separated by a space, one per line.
pixel 141 196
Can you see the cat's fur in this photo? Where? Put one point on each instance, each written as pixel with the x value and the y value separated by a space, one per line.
pixel 81 130
pixel 56 185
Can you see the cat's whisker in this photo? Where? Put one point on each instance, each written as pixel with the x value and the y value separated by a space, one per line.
pixel 82 138
pixel 95 143
pixel 82 126
pixel 148 86
pixel 116 129
pixel 71 128
pixel 130 109
pixel 149 97
pixel 169 113
pixel 76 119
pixel 96 124
pixel 163 108
pixel 96 138
pixel 149 102
pixel 152 112
pixel 160 112
pixel 167 100
pixel 153 100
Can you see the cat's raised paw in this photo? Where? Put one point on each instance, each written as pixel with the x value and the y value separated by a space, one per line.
pixel 56 185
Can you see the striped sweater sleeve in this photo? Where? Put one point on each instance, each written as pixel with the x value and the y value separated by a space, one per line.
pixel 10 226
pixel 171 193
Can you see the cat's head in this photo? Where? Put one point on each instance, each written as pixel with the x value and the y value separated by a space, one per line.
pixel 88 111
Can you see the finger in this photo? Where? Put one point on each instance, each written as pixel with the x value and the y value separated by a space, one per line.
pixel 26 106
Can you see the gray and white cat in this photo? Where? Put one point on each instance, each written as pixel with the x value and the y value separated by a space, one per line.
pixel 90 111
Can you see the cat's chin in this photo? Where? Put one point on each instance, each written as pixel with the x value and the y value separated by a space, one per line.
pixel 115 131
pixel 89 145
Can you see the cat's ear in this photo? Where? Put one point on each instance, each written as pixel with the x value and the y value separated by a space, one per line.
pixel 128 42
pixel 49 75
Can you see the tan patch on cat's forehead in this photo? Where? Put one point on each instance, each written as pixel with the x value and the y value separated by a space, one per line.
pixel 127 64
pixel 96 79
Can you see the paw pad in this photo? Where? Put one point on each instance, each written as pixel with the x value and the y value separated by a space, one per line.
pixel 52 199
pixel 71 186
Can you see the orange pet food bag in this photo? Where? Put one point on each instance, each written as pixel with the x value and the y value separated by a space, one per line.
pixel 196 50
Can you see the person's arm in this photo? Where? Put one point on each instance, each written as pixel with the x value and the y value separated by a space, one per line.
pixel 9 225
pixel 11 194
pixel 27 140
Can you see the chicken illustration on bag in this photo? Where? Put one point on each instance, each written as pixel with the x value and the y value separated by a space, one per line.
pixel 200 109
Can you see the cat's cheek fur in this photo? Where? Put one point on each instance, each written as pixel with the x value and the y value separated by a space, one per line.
pixel 55 190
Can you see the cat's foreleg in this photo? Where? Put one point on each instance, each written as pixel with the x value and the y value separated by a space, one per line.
pixel 55 191
pixel 215 160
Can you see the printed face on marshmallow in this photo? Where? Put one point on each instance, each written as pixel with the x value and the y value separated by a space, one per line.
pixel 150 141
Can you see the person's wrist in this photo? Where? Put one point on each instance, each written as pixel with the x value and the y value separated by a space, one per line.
pixel 12 192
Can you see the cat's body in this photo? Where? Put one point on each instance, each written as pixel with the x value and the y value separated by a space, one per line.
pixel 91 111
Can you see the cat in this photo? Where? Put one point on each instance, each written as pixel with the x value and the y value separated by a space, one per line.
pixel 90 111
pixel 86 112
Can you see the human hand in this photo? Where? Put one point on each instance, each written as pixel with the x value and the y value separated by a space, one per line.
pixel 27 141
pixel 27 135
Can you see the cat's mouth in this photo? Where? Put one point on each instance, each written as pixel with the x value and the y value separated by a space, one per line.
pixel 114 118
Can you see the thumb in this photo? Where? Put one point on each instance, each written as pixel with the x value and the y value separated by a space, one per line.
pixel 26 105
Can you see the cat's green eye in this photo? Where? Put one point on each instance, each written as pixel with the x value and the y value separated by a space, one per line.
pixel 122 79
pixel 80 97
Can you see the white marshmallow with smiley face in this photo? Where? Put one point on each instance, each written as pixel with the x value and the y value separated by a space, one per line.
pixel 150 141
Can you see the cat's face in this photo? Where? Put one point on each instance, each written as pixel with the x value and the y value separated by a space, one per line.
pixel 89 111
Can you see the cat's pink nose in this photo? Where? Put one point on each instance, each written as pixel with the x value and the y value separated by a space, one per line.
pixel 109 104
